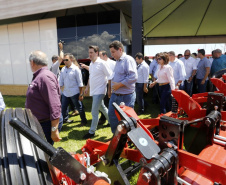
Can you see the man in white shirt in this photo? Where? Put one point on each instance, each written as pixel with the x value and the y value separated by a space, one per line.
pixel 142 81
pixel 111 64
pixel 71 80
pixel 190 68
pixel 99 73
pixel 178 69
pixel 2 104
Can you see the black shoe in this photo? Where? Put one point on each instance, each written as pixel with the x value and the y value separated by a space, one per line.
pixel 88 135
pixel 68 121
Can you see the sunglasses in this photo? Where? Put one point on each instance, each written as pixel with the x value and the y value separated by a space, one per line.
pixel 65 60
pixel 186 55
pixel 159 59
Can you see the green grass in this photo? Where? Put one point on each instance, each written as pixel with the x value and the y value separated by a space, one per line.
pixel 72 133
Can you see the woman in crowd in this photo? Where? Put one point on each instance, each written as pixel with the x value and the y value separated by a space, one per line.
pixel 166 82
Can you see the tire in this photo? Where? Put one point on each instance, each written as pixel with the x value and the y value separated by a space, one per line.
pixel 22 163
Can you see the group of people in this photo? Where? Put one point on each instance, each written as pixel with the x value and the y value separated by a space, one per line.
pixel 51 91
pixel 190 73
pixel 124 79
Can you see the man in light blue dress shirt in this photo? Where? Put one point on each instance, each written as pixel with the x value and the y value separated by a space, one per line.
pixel 122 88
pixel 142 82
pixel 71 80
pixel 178 69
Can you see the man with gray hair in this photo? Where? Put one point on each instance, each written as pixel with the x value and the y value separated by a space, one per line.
pixel 43 97
pixel 219 61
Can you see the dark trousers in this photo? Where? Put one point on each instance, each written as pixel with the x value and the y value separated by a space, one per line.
pixel 76 103
pixel 140 96
pixel 46 127
pixel 155 94
pixel 201 87
pixel 188 87
pixel 165 101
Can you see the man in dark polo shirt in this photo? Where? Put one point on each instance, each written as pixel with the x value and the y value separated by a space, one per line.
pixel 43 97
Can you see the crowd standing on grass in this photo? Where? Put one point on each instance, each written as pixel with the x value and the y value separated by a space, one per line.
pixel 123 79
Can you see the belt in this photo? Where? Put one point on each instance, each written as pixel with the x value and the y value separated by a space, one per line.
pixel 43 120
pixel 163 84
pixel 122 94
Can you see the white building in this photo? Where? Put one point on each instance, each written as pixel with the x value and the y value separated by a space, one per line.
pixel 28 25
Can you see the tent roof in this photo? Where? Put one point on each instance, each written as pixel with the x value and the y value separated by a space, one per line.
pixel 173 18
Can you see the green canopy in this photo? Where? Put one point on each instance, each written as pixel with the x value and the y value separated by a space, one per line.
pixel 173 18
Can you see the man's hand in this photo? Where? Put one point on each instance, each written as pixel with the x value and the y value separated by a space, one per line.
pixel 86 90
pixel 55 136
pixel 60 45
pixel 85 67
pixel 116 86
pixel 203 81
pixel 152 84
pixel 81 98
pixel 190 79
pixel 145 89
pixel 109 94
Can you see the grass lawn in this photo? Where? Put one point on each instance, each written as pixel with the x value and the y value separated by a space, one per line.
pixel 72 133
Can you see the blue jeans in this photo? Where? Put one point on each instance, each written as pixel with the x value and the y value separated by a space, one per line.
pixel 165 102
pixel 129 100
pixel 188 86
pixel 97 105
pixel 77 103
pixel 201 87
pixel 46 127
pixel 140 96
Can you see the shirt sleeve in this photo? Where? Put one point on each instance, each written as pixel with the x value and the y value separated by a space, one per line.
pixel 61 80
pixel 2 104
pixel 194 65
pixel 107 70
pixel 78 75
pixel 145 71
pixel 207 63
pixel 182 72
pixel 170 77
pixel 131 72
pixel 50 93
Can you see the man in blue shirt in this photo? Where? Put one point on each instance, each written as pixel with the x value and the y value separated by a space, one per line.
pixel 219 61
pixel 122 84
pixel 142 82
pixel 178 69
pixel 203 70
pixel 72 85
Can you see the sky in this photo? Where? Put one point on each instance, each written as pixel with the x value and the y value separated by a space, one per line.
pixel 151 50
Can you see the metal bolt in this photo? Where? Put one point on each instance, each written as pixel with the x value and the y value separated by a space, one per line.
pixel 143 161
pixel 120 127
pixel 122 104
pixel 83 176
pixel 146 176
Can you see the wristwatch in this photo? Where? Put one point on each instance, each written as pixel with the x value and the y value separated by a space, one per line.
pixel 53 129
